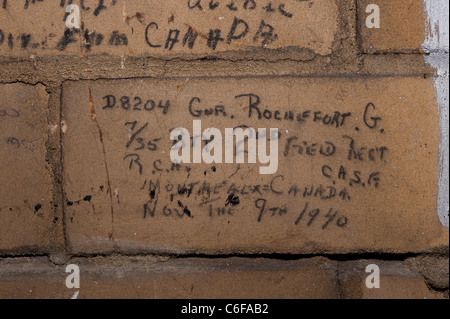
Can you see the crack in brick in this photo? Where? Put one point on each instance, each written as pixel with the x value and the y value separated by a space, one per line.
pixel 94 118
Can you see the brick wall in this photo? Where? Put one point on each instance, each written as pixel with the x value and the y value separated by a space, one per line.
pixel 357 91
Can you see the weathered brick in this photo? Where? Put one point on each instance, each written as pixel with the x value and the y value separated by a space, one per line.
pixel 121 193
pixel 138 278
pixel 434 269
pixel 25 183
pixel 170 28
pixel 396 281
pixel 373 170
pixel 401 29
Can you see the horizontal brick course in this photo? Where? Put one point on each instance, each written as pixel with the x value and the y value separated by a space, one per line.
pixel 200 278
pixel 186 278
pixel 170 28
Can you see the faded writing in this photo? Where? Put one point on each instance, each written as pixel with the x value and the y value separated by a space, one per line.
pixel 341 165
pixel 163 27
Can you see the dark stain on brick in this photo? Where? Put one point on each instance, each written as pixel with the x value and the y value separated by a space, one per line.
pixel 138 16
pixel 232 200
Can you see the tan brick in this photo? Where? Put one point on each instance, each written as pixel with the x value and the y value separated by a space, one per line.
pixel 25 184
pixel 143 27
pixel 402 26
pixel 396 282
pixel 194 278
pixel 117 201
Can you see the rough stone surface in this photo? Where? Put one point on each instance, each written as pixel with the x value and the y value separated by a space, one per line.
pixel 435 269
pixel 25 181
pixel 70 186
pixel 396 281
